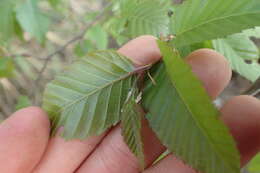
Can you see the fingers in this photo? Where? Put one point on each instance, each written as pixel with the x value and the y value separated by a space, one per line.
pixel 242 115
pixel 168 165
pixel 215 80
pixel 112 155
pixel 142 50
pixel 24 137
pixel 214 77
pixel 66 156
pixel 60 152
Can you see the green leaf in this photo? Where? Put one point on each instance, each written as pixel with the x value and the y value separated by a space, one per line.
pixel 23 101
pixel 185 120
pixel 98 36
pixel 83 47
pixel 236 52
pixel 115 27
pixel 55 3
pixel 254 164
pixel 125 6
pixel 87 97
pixel 6 67
pixel 7 19
pixel 18 30
pixel 186 50
pixel 146 17
pixel 199 20
pixel 131 122
pixel 91 15
pixel 255 32
pixel 244 47
pixel 32 20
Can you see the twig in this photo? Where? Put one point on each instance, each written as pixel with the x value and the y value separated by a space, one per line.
pixel 26 55
pixel 74 39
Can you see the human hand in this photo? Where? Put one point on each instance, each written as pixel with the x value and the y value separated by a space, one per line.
pixel 25 146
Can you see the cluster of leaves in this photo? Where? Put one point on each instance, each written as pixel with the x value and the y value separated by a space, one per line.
pixel 18 16
pixel 131 18
pixel 100 89
pixel 139 17
pixel 24 42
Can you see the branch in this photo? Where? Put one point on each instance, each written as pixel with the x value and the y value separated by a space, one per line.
pixel 73 40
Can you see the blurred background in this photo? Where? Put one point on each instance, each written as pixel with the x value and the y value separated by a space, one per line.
pixel 38 38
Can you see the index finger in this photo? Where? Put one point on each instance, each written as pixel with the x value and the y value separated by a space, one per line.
pixel 144 53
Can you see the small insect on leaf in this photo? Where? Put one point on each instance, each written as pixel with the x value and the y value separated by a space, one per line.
pixel 167 38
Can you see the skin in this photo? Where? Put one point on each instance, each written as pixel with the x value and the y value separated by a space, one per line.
pixel 25 146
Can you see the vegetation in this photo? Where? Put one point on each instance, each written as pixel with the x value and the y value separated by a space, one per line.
pixel 99 87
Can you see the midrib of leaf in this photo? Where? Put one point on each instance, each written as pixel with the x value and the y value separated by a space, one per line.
pixel 102 87
pixel 213 20
pixel 203 130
